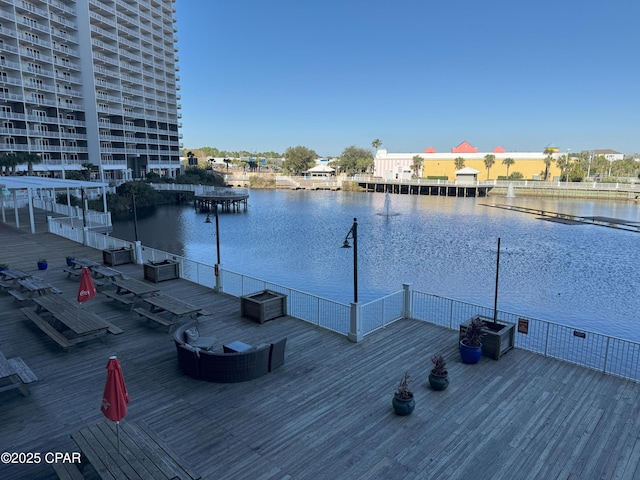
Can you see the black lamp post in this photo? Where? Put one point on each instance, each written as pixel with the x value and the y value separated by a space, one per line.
pixel 353 235
pixel 495 299
pixel 208 220
pixel 135 215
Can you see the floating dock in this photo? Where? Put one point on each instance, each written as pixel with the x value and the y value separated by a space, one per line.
pixel 570 219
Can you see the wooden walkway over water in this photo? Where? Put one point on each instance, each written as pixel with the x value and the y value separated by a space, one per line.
pixel 570 219
pixel 326 414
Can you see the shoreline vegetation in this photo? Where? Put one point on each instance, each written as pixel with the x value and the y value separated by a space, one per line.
pixel 147 198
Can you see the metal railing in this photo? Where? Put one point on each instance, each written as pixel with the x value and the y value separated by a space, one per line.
pixel 605 353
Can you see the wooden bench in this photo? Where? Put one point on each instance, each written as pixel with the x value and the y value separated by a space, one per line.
pixel 43 325
pixel 76 272
pixel 67 471
pixel 16 367
pixel 123 299
pixel 19 296
pixel 153 316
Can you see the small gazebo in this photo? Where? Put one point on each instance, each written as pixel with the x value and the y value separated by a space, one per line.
pixel 467 175
pixel 321 170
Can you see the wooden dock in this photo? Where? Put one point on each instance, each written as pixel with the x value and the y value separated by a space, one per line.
pixel 570 219
pixel 326 414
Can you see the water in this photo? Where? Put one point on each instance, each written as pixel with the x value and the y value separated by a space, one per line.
pixel 580 275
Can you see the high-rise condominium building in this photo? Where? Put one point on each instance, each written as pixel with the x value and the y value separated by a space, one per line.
pixel 91 82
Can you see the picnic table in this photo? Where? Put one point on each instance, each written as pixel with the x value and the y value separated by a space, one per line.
pixel 142 455
pixel 77 264
pixel 165 303
pixel 107 273
pixel 128 290
pixel 14 373
pixel 11 276
pixel 28 288
pixel 67 323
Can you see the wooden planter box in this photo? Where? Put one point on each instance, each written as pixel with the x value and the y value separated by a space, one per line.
pixel 161 271
pixel 263 306
pixel 499 340
pixel 117 256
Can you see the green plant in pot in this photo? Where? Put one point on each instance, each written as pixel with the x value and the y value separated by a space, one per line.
pixel 471 341
pixel 42 264
pixel 4 266
pixel 439 377
pixel 403 402
pixel 70 261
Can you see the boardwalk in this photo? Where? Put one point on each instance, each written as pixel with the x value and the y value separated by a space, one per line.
pixel 327 412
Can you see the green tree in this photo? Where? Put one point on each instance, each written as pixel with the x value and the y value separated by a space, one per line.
pixel 564 164
pixel 8 162
pixel 299 159
pixel 29 158
pixel 416 166
pixel 355 160
pixel 459 163
pixel 376 144
pixel 489 160
pixel 508 162
pixel 87 168
pixel 547 162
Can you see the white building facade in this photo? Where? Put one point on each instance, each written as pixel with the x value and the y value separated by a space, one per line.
pixel 91 81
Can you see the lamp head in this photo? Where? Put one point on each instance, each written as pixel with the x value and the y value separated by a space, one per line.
pixel 346 244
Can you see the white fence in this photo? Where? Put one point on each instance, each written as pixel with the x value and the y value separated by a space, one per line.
pixel 608 354
pixel 600 352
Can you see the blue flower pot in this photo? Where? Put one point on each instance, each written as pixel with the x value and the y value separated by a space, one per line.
pixel 470 355
pixel 42 265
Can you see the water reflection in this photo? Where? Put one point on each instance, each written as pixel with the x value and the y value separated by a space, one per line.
pixel 579 275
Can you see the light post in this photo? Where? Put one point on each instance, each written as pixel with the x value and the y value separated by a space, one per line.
pixel 353 235
pixel 135 215
pixel 216 267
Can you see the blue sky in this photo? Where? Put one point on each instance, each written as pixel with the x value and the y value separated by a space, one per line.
pixel 267 75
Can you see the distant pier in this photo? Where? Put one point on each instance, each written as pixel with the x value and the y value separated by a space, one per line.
pixel 229 201
pixel 424 187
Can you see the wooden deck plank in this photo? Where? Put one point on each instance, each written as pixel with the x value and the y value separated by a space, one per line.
pixel 327 412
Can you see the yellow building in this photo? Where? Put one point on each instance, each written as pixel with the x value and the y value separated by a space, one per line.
pixel 434 164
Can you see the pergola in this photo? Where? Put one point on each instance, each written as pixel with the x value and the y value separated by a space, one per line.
pixel 16 188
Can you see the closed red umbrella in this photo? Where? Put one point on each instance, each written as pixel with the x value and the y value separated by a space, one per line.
pixel 115 397
pixel 87 287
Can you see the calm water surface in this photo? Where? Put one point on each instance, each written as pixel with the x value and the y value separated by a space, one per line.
pixel 580 275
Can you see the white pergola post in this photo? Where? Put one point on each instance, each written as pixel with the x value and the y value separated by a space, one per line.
pixel 31 221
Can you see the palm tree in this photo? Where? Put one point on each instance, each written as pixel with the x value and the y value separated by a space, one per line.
pixel 459 163
pixel 417 164
pixel 564 164
pixel 508 162
pixel 489 160
pixel 8 162
pixel 28 158
pixel 547 161
pixel 376 144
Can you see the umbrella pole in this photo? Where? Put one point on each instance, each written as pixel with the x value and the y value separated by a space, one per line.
pixel 118 434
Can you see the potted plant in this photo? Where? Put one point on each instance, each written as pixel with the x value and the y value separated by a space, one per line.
pixel 471 341
pixel 70 261
pixel 439 377
pixel 403 402
pixel 42 264
pixel 4 266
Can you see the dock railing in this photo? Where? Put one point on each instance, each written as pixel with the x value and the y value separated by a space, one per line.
pixel 608 354
pixel 597 351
